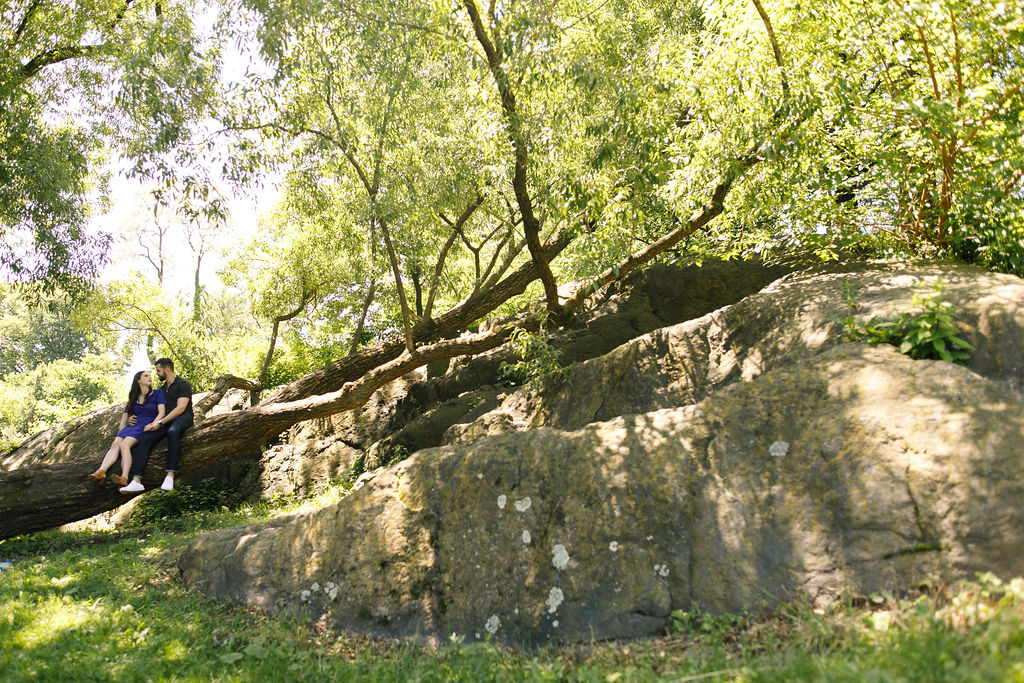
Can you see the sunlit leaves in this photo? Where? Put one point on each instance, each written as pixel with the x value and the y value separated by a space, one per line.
pixel 75 78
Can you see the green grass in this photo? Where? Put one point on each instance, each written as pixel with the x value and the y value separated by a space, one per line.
pixel 107 604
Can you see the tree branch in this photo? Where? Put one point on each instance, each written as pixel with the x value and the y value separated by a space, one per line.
pixel 223 384
pixel 23 24
pixel 520 181
pixel 471 207
pixel 308 293
pixel 357 335
pixel 711 210
pixel 775 46
pixel 55 56
pixel 451 323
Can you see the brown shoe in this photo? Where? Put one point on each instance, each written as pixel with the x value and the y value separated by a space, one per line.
pixel 119 480
pixel 99 476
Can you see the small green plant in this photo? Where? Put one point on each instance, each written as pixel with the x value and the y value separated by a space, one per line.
pixel 926 331
pixel 700 624
pixel 537 357
pixel 398 452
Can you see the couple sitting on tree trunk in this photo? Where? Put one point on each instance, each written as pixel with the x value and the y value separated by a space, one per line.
pixel 145 421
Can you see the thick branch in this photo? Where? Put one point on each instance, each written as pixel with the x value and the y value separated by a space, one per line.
pixel 358 334
pixel 224 383
pixel 435 281
pixel 396 272
pixel 308 294
pixel 55 56
pixel 40 497
pixel 23 24
pixel 484 277
pixel 701 218
pixel 471 207
pixel 452 322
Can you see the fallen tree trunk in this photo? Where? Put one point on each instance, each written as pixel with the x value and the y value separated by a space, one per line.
pixel 43 496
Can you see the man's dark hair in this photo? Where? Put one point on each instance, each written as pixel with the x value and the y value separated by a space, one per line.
pixel 165 363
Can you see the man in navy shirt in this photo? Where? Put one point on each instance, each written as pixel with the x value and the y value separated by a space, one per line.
pixel 179 417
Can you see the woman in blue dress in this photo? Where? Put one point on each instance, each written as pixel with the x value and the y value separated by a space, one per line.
pixel 146 404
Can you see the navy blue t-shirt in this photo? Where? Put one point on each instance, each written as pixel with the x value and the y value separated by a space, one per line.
pixel 180 388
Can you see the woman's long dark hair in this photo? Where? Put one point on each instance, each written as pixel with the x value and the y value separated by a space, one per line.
pixel 135 392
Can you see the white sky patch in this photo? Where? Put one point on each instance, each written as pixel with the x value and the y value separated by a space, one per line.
pixel 524 504
pixel 526 536
pixel 779 449
pixel 502 500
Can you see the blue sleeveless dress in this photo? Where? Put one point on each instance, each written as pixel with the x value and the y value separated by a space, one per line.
pixel 145 413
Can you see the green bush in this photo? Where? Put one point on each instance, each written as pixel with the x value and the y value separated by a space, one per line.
pixel 927 331
pixel 56 392
pixel 994 241
pixel 536 357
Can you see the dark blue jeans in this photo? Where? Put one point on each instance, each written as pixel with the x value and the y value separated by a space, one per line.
pixel 173 432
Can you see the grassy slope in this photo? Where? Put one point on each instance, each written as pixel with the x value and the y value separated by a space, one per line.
pixel 104 604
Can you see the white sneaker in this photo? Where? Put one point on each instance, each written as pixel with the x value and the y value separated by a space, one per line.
pixel 168 484
pixel 132 487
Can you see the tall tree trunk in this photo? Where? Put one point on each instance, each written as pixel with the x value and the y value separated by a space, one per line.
pixel 520 176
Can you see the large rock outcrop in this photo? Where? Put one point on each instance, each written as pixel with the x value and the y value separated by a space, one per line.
pixel 741 458
pixel 797 316
pixel 415 412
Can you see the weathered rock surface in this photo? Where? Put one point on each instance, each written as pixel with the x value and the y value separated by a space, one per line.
pixel 795 317
pixel 415 412
pixel 742 458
